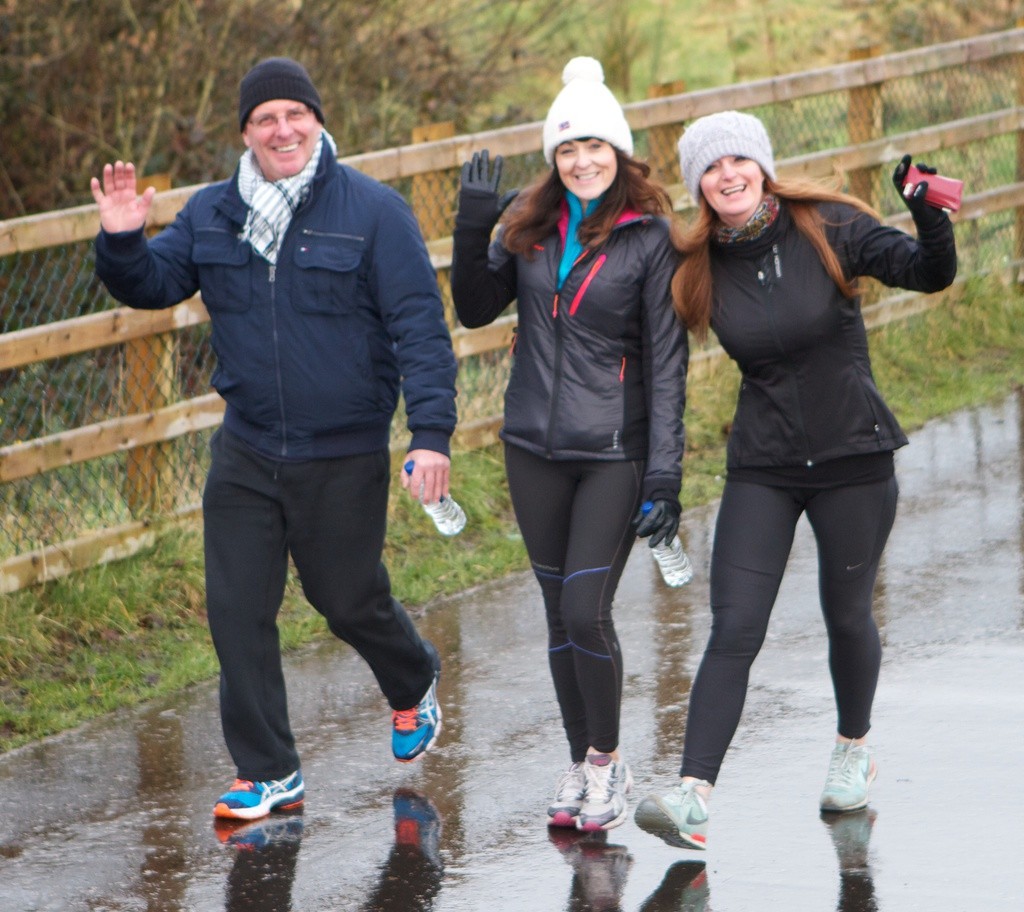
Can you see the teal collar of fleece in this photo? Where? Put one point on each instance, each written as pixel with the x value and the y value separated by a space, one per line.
pixel 571 246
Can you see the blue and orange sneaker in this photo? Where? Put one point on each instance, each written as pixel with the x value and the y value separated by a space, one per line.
pixel 249 800
pixel 414 731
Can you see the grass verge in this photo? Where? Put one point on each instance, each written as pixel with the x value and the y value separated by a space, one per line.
pixel 127 632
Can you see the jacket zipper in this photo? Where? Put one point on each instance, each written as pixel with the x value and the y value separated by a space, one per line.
pixel 556 380
pixel 277 359
pixel 575 263
pixel 309 232
pixel 556 383
pixel 767 282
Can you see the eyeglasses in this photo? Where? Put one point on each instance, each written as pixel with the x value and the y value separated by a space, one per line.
pixel 294 116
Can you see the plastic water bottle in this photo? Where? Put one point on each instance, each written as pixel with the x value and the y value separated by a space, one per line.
pixel 676 569
pixel 447 515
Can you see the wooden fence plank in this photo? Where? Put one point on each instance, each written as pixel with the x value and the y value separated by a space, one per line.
pixel 79 334
pixel 19 460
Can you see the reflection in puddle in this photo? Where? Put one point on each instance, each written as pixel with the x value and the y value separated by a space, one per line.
pixel 850 834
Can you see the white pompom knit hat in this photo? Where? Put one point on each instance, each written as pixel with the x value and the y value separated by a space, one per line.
pixel 710 138
pixel 585 107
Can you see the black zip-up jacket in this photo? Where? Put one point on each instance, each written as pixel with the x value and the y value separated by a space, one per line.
pixel 599 369
pixel 807 394
pixel 312 352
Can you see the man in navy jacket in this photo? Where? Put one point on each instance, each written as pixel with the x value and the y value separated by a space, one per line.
pixel 324 307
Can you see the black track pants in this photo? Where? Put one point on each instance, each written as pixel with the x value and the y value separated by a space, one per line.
pixel 330 515
pixel 753 538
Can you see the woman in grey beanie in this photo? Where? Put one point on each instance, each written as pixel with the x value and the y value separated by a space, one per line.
pixel 771 266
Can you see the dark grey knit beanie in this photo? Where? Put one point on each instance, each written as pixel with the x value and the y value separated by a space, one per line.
pixel 276 77
pixel 710 138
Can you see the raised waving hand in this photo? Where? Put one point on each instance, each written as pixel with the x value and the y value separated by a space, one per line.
pixel 121 206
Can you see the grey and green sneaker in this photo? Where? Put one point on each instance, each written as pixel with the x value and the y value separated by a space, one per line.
pixel 678 817
pixel 850 771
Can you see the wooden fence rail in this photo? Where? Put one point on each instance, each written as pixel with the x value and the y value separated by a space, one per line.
pixel 431 162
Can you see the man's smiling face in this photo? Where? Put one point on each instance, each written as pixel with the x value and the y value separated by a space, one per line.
pixel 282 135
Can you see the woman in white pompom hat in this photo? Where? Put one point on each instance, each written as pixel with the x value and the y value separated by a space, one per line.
pixel 771 265
pixel 593 410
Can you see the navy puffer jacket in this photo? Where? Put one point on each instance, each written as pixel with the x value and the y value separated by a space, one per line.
pixel 313 352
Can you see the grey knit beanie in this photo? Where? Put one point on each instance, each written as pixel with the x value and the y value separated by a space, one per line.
pixel 276 77
pixel 709 138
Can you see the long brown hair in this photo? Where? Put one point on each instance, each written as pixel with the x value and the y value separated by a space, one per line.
pixel 692 293
pixel 535 213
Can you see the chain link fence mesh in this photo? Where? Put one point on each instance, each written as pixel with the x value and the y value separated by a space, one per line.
pixel 54 284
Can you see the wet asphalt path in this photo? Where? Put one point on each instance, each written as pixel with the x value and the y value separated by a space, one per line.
pixel 116 815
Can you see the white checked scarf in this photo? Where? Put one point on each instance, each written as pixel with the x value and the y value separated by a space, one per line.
pixel 273 203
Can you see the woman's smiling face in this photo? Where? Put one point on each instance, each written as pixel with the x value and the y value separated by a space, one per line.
pixel 734 187
pixel 587 166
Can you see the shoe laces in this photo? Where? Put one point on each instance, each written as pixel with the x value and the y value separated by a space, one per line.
pixel 599 780
pixel 845 766
pixel 688 793
pixel 406 720
pixel 267 785
pixel 573 782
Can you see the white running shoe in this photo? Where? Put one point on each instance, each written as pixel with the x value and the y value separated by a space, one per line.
pixel 569 795
pixel 608 783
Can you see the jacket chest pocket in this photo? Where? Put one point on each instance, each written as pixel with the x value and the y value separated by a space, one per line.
pixel 327 277
pixel 223 264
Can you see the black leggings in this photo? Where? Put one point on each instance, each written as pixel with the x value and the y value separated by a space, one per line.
pixel 575 519
pixel 753 538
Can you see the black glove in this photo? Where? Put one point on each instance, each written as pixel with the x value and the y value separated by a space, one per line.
pixel 660 522
pixel 478 188
pixel 923 213
pixel 477 173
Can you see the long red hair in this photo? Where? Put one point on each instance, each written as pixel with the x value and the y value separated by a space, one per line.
pixel 692 292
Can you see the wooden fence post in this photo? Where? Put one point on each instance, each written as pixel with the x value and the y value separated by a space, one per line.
pixel 1018 227
pixel 432 197
pixel 662 140
pixel 150 382
pixel 433 192
pixel 864 120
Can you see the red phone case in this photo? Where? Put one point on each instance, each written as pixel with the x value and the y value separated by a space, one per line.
pixel 943 192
